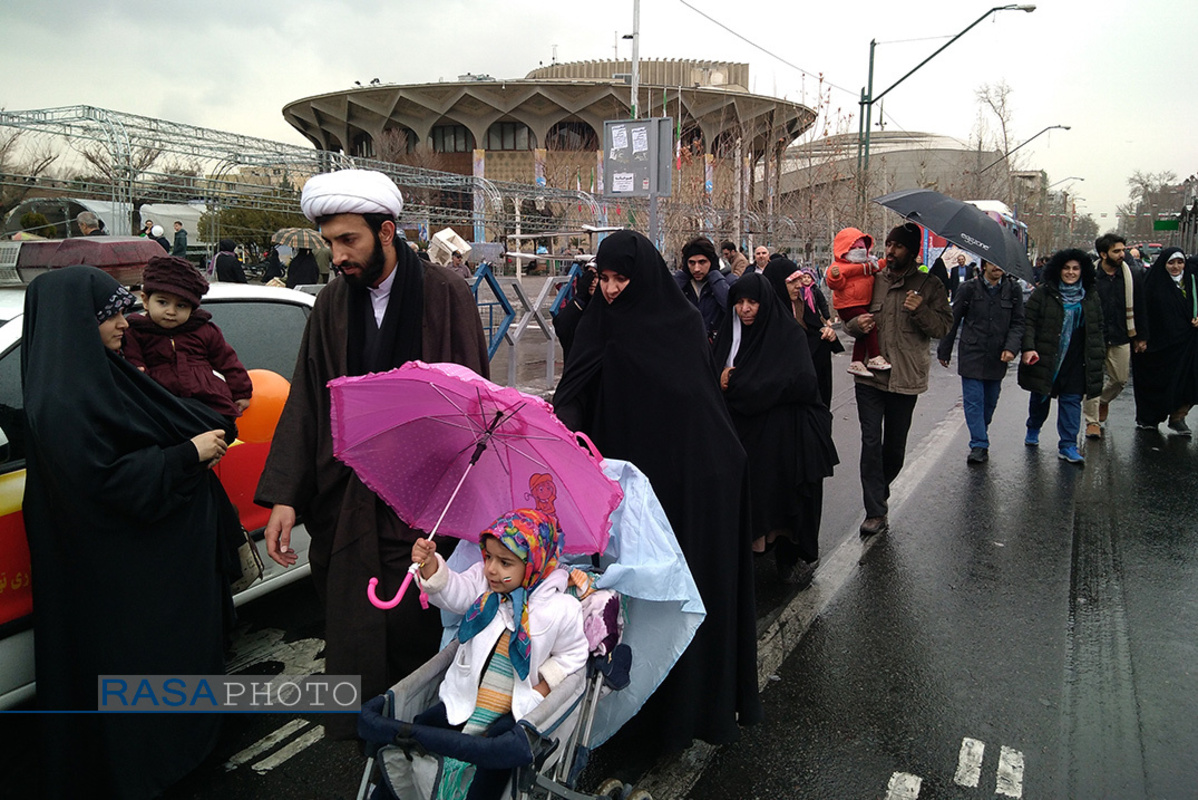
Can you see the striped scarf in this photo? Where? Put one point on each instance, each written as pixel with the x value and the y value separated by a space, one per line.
pixel 494 700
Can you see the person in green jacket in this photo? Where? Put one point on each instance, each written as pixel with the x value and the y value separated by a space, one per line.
pixel 1063 348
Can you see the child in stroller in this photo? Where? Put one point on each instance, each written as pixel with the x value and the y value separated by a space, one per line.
pixel 639 614
pixel 499 674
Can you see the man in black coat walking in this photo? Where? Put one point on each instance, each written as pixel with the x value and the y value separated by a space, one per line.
pixel 989 311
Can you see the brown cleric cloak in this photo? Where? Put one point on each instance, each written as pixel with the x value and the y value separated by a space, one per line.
pixel 355 536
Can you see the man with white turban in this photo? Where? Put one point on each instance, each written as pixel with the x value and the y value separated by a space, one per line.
pixel 385 308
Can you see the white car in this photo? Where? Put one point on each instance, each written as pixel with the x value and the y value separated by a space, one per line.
pixel 264 325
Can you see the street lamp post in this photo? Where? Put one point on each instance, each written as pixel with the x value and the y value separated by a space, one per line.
pixel 636 55
pixel 1007 154
pixel 1062 180
pixel 865 121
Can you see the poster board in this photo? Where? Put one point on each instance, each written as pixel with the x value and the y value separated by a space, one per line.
pixel 637 157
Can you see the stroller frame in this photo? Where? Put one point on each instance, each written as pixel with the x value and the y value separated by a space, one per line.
pixel 552 769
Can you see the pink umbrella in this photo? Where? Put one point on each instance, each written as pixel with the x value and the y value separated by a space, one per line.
pixel 450 451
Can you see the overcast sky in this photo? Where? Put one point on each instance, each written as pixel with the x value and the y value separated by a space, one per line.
pixel 1119 72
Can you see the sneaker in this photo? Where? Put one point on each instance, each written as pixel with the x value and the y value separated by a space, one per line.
pixel 859 369
pixel 1071 455
pixel 874 525
pixel 1179 426
pixel 878 363
pixel 1033 437
pixel 1145 426
pixel 978 455
pixel 1093 431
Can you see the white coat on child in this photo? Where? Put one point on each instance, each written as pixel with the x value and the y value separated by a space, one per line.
pixel 557 643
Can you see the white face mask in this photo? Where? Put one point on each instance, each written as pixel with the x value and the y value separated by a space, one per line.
pixel 858 255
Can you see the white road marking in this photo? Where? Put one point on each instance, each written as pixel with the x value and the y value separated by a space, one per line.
pixel 1010 773
pixel 673 776
pixel 969 763
pixel 292 748
pixel 265 743
pixel 931 449
pixel 903 786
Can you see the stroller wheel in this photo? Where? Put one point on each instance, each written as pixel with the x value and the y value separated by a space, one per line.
pixel 640 794
pixel 613 789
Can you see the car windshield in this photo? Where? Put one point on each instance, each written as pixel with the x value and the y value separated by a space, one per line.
pixel 241 321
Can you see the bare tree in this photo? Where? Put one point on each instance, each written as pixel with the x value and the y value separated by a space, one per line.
pixel 21 168
pixel 105 169
pixel 178 182
pixel 1151 195
pixel 994 101
pixel 394 147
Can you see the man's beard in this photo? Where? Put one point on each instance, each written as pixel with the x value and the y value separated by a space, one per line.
pixel 372 270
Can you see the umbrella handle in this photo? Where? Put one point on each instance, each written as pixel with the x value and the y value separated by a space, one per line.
pixel 588 445
pixel 394 601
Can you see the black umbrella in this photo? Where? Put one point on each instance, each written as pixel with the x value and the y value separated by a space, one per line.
pixel 962 224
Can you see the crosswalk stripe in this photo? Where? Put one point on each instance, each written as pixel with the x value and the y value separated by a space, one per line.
pixel 265 743
pixel 292 748
pixel 1010 773
pixel 903 786
pixel 969 763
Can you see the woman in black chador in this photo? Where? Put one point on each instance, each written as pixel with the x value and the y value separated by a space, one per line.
pixel 797 290
pixel 640 382
pixel 121 515
pixel 1166 373
pixel 772 391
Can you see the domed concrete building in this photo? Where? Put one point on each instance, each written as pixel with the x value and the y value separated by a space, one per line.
pixel 550 122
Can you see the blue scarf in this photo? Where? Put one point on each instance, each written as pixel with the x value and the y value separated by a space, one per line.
pixel 1071 298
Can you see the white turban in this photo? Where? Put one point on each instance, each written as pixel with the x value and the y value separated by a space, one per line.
pixel 350 191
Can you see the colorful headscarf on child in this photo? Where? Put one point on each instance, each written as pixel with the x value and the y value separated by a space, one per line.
pixel 533 537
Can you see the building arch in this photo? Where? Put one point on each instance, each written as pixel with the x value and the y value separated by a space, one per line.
pixel 396 140
pixel 362 145
pixel 573 135
pixel 509 135
pixel 451 136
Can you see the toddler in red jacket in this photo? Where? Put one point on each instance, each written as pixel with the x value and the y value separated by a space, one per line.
pixel 176 344
pixel 851 279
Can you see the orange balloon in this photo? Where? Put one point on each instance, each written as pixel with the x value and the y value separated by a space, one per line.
pixel 257 423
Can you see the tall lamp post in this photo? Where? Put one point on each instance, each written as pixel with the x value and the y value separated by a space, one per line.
pixel 1007 154
pixel 1048 204
pixel 1062 180
pixel 865 121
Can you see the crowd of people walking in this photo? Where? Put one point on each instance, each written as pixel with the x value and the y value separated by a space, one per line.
pixel 717 385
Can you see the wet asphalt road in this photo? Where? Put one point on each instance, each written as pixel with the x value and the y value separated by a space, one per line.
pixel 1026 616
pixel 1025 629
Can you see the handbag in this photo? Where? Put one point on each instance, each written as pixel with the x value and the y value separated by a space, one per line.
pixel 250 563
pixel 240 561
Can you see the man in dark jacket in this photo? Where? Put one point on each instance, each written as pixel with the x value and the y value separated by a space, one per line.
pixel 989 312
pixel 180 246
pixel 89 224
pixel 1118 285
pixel 704 286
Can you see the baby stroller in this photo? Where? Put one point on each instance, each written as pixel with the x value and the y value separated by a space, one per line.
pixel 645 574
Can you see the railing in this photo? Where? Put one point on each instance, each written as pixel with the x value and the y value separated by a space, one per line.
pixel 535 317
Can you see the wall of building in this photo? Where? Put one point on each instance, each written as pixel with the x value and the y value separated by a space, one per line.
pixel 658 72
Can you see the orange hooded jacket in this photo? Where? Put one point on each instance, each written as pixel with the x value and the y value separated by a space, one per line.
pixel 854 286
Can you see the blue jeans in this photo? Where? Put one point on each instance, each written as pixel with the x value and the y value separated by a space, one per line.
pixel 1069 416
pixel 980 398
